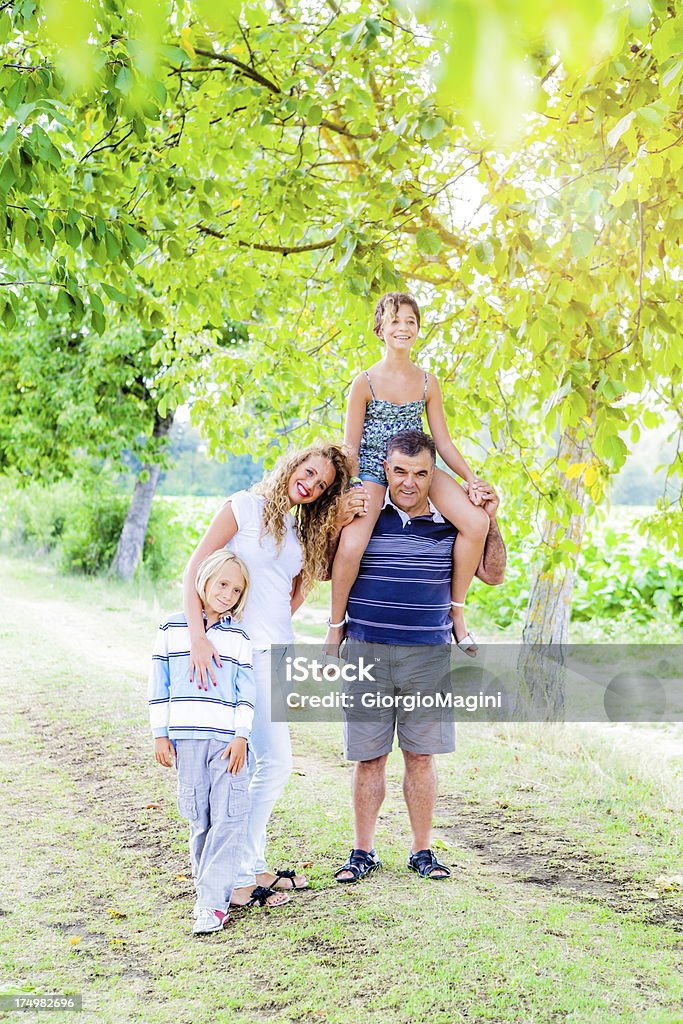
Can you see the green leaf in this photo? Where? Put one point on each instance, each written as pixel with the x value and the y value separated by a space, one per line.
pixel 428 241
pixel 431 127
pixel 620 127
pixel 668 41
pixel 137 240
pixel 582 242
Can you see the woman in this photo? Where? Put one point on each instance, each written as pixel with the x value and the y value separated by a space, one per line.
pixel 284 530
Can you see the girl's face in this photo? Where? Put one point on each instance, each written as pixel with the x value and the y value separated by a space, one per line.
pixel 223 591
pixel 402 331
pixel 310 479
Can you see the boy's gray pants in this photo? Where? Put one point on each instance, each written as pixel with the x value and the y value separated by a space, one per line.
pixel 216 805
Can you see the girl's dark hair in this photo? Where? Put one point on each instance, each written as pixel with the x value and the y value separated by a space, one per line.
pixel 387 308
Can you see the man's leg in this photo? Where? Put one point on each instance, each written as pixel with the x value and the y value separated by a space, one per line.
pixel 419 790
pixel 368 795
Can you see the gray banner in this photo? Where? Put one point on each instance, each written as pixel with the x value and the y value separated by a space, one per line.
pixel 504 683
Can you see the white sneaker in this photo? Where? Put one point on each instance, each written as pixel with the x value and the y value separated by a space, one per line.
pixel 207 920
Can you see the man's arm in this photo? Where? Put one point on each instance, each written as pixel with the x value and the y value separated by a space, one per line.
pixel 491 569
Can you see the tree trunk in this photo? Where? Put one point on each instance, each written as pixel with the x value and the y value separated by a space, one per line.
pixel 132 539
pixel 546 630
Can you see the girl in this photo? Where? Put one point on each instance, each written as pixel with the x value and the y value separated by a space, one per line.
pixel 283 529
pixel 390 397
pixel 194 728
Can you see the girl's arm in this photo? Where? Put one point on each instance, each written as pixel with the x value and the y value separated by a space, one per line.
pixel 436 418
pixel 359 396
pixel 223 528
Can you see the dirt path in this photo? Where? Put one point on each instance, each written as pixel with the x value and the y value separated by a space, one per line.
pixel 96 856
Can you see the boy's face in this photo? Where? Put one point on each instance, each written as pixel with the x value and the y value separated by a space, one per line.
pixel 402 331
pixel 223 591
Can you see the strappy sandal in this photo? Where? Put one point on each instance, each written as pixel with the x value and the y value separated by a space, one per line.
pixel 360 863
pixel 425 863
pixel 467 644
pixel 260 896
pixel 289 875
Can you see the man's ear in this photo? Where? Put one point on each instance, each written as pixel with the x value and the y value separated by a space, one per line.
pixel 386 467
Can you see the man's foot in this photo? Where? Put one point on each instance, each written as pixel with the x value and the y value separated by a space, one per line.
pixel 208 920
pixel 426 865
pixel 282 880
pixel 257 896
pixel 463 638
pixel 360 864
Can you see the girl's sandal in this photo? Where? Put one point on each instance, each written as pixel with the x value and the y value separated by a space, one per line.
pixel 466 644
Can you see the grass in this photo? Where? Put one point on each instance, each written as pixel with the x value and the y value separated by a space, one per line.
pixel 564 905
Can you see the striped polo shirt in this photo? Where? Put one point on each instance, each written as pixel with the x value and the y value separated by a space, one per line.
pixel 178 708
pixel 403 591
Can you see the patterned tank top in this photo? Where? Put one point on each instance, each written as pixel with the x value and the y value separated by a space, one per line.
pixel 382 421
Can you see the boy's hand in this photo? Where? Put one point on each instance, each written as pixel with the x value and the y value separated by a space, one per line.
pixel 237 752
pixel 164 751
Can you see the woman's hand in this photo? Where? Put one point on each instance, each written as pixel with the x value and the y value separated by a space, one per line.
pixel 353 502
pixel 203 656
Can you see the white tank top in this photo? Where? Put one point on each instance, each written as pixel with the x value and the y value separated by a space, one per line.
pixel 267 617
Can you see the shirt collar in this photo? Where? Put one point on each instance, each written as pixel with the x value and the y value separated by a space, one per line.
pixel 405 518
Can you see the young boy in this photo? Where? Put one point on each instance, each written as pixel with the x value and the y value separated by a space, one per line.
pixel 202 730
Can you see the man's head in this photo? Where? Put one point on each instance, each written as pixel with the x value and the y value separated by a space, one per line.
pixel 409 466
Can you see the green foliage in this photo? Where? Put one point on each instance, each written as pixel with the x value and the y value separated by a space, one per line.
pixel 622 575
pixel 78 523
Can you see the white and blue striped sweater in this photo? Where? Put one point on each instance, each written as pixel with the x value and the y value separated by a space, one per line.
pixel 178 708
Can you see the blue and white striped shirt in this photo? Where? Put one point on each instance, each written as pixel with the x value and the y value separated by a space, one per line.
pixel 403 591
pixel 179 709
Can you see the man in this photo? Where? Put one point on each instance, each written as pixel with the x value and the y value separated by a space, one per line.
pixel 399 623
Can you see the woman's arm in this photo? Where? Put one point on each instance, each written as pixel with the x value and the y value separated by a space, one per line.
pixel 438 427
pixel 222 528
pixel 359 396
pixel 296 597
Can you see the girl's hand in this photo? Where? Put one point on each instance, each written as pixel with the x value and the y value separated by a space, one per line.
pixel 353 502
pixel 203 656
pixel 476 490
pixel 164 751
pixel 237 753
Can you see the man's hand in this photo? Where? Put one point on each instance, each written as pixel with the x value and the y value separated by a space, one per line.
pixel 489 500
pixel 164 751
pixel 353 502
pixel 491 569
pixel 237 754
pixel 203 655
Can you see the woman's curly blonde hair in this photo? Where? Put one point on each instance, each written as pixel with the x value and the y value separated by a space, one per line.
pixel 315 521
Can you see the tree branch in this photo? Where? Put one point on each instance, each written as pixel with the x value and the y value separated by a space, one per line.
pixel 284 250
pixel 255 76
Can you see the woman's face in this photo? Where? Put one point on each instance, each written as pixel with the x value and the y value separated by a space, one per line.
pixel 310 479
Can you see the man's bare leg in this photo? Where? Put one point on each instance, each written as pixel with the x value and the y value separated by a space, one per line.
pixel 369 788
pixel 419 790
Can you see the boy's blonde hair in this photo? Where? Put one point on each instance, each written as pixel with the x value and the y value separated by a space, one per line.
pixel 211 567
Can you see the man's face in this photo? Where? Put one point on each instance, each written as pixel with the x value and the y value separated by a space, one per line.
pixel 410 477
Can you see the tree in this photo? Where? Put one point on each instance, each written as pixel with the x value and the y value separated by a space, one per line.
pixel 280 165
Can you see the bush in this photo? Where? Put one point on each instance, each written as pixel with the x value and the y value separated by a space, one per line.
pixel 617 576
pixel 88 543
pixel 36 516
